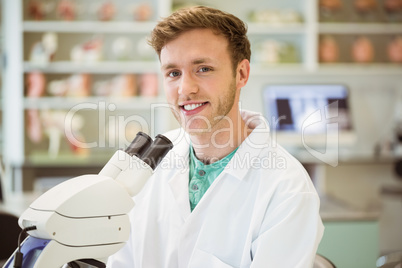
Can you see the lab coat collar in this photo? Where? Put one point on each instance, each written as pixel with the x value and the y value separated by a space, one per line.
pixel 250 148
pixel 179 187
pixel 179 160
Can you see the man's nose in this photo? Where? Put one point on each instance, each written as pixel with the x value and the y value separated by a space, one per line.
pixel 187 85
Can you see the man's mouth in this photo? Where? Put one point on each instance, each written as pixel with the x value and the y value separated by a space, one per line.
pixel 193 106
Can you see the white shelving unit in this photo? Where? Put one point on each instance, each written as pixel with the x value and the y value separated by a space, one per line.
pixel 16 104
pixel 353 69
pixel 103 67
pixel 305 35
pixel 281 29
pixel 136 104
pixel 88 27
pixel 360 28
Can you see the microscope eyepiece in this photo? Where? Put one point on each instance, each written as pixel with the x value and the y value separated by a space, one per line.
pixel 139 145
pixel 157 151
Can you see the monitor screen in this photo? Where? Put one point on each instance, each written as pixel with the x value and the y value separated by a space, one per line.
pixel 307 109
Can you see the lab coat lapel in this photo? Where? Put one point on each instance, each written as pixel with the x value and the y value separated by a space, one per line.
pixel 179 187
pixel 179 179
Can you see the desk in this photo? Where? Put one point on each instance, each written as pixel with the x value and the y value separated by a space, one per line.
pixel 351 236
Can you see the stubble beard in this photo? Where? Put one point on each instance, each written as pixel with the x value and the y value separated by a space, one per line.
pixel 207 123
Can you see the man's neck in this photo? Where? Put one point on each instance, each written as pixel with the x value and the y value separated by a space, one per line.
pixel 214 145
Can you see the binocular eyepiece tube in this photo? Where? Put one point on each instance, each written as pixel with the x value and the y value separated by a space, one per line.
pixel 151 152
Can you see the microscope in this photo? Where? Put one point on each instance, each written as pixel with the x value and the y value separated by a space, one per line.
pixel 85 219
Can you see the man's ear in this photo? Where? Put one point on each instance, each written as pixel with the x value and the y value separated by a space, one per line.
pixel 242 73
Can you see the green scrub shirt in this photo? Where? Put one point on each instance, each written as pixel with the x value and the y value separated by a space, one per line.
pixel 202 176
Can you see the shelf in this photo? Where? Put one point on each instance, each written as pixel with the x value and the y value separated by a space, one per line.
pixel 88 27
pixel 143 27
pixel 65 103
pixel 261 69
pixel 360 28
pixel 42 159
pixel 102 67
pixel 333 69
pixel 264 28
pixel 360 69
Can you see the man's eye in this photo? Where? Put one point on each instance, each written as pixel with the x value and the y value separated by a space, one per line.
pixel 205 69
pixel 174 74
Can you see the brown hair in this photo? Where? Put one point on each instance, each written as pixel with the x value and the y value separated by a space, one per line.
pixel 220 22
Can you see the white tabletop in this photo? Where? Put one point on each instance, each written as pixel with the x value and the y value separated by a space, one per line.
pixel 332 209
pixel 17 203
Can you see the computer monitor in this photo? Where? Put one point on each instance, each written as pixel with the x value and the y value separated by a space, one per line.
pixel 317 114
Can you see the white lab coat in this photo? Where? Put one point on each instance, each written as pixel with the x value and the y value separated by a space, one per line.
pixel 261 211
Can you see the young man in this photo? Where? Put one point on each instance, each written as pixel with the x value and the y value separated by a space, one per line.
pixel 226 195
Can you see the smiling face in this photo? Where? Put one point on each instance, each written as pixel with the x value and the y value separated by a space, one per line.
pixel 199 81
